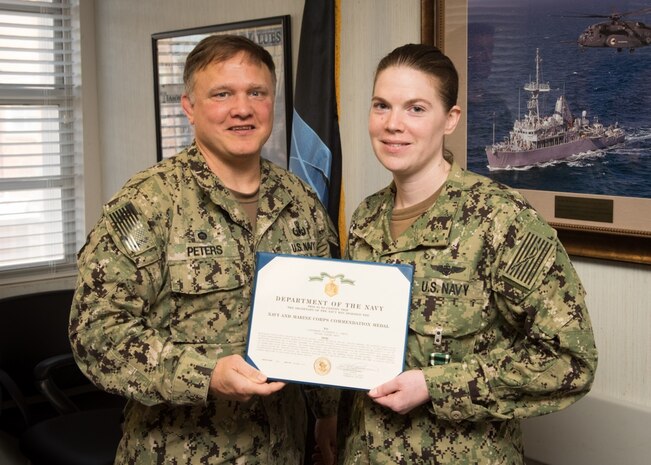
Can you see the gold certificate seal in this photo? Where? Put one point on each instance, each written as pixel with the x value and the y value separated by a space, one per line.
pixel 331 288
pixel 322 366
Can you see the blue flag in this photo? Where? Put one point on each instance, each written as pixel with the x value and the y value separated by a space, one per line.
pixel 315 153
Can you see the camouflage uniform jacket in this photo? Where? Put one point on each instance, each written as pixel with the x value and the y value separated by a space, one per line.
pixel 163 292
pixel 493 289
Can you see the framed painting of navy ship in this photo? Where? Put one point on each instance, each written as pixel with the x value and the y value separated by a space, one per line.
pixel 558 106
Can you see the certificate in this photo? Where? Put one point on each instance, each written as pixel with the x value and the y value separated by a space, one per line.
pixel 329 322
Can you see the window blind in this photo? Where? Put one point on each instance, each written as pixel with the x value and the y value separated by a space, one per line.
pixel 40 163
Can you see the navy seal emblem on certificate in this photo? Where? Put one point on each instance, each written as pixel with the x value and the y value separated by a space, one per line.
pixel 330 322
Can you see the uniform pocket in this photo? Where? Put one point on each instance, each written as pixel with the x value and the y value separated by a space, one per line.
pixel 211 300
pixel 446 317
pixel 204 275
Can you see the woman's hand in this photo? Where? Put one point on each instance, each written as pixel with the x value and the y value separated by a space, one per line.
pixel 403 393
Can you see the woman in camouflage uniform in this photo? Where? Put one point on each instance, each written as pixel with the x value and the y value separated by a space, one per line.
pixel 498 329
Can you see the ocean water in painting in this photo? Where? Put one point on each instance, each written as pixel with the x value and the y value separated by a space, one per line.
pixel 613 86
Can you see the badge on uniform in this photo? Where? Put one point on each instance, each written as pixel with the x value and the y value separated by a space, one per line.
pixel 129 224
pixel 529 258
pixel 438 358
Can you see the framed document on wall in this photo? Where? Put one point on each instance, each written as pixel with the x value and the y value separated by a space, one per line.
pixel 170 49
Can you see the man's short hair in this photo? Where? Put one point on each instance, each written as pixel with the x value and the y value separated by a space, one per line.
pixel 219 48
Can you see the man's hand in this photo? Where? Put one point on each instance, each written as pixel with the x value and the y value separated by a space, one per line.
pixel 403 393
pixel 234 379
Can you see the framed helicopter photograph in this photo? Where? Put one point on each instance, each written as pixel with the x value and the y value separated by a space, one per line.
pixel 558 105
pixel 170 50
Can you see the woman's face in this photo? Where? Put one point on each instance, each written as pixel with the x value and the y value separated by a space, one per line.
pixel 408 120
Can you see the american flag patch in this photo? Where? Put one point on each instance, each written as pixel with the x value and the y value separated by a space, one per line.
pixel 133 232
pixel 530 255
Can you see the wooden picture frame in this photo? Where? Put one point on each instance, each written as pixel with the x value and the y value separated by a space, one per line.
pixel 170 49
pixel 626 237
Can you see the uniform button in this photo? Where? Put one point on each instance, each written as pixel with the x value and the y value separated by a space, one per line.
pixel 456 415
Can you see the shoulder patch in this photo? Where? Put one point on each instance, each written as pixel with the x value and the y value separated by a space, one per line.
pixel 528 259
pixel 133 232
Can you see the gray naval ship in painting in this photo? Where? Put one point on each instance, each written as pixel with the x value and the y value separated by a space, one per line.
pixel 538 139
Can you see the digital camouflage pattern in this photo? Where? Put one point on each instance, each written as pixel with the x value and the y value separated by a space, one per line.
pixel 494 289
pixel 163 292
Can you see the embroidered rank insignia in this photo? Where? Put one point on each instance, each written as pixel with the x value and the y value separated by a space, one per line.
pixel 529 257
pixel 133 232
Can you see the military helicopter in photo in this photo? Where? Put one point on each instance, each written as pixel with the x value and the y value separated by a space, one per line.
pixel 617 32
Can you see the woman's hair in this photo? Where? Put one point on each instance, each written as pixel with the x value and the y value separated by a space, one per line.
pixel 429 60
pixel 219 48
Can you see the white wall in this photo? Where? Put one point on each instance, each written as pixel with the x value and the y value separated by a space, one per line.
pixel 610 426
pixel 618 294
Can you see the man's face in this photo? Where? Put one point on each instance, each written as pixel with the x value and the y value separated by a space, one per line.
pixel 231 109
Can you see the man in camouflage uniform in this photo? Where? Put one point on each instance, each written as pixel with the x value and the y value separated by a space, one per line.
pixel 162 305
pixel 498 328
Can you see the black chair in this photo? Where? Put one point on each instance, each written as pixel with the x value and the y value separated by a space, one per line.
pixel 57 415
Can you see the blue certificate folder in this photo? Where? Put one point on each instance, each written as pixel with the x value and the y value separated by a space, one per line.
pixel 329 322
